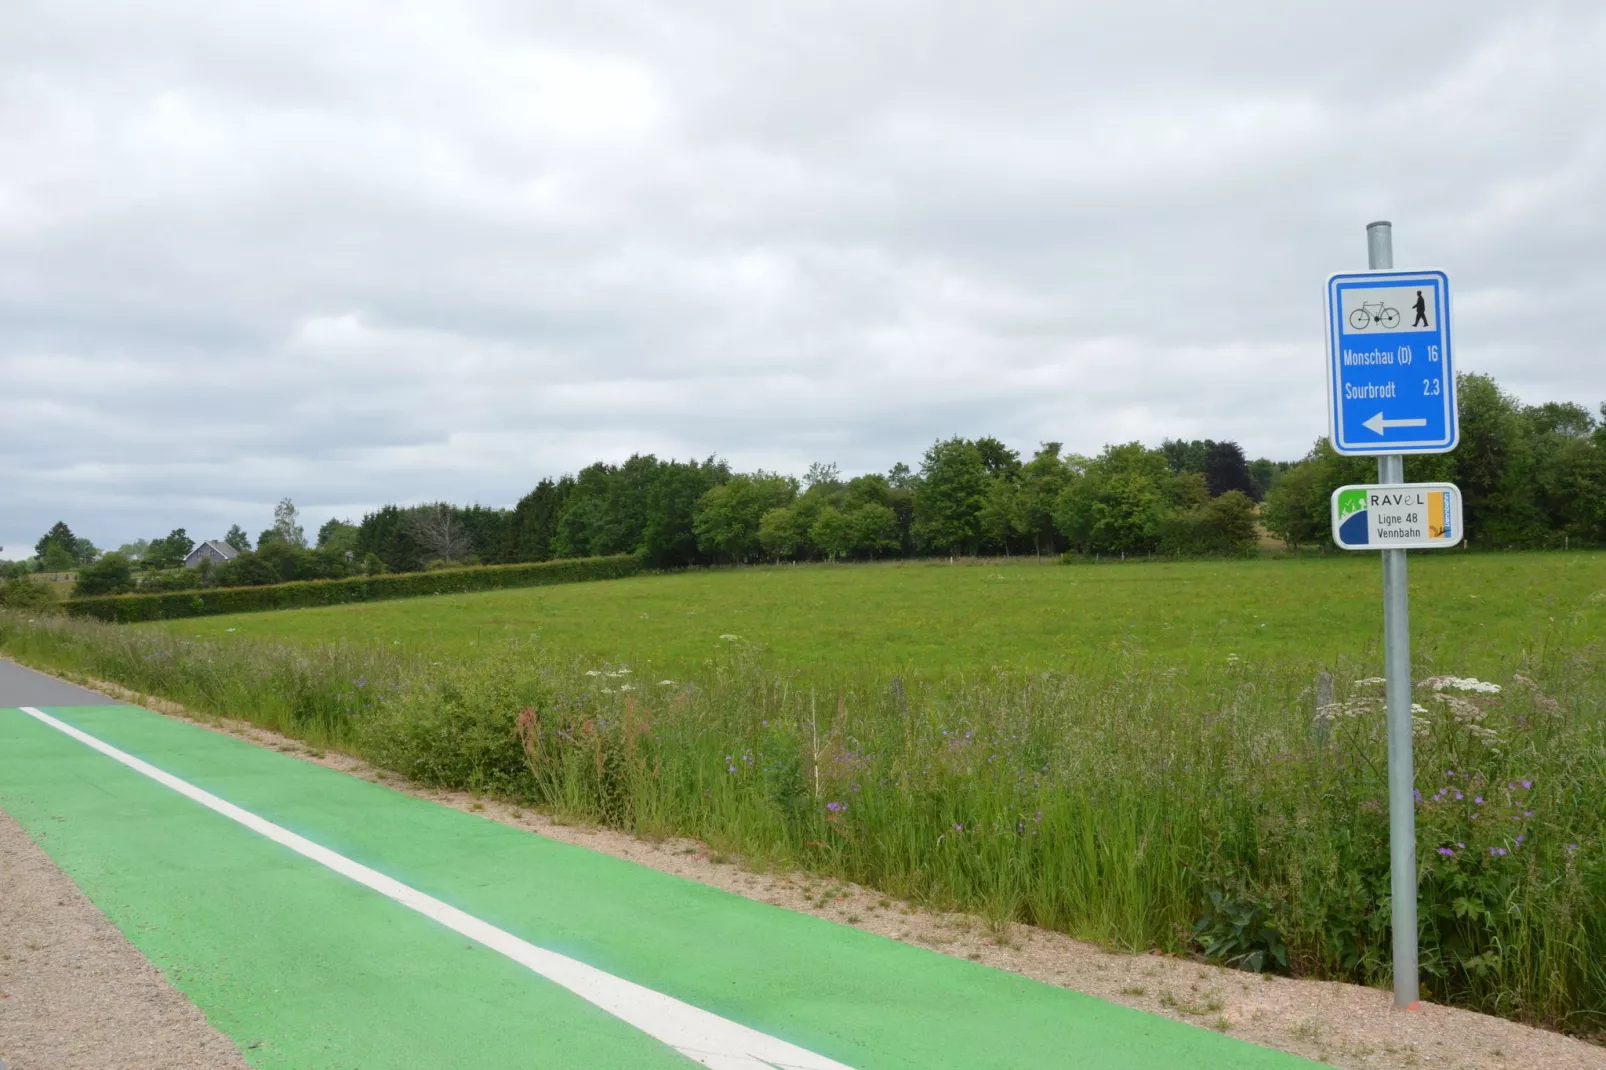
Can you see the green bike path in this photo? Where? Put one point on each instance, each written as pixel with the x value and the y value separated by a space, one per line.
pixel 305 968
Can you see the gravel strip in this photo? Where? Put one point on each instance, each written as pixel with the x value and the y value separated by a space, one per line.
pixel 1340 1024
pixel 74 993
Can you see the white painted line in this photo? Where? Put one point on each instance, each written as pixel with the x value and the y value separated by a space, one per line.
pixel 697 1034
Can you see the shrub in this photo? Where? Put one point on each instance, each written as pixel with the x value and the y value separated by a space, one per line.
pixel 172 579
pixel 22 592
pixel 458 728
pixel 112 574
pixel 1222 526
pixel 214 601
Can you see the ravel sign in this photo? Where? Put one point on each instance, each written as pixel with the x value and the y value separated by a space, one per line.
pixel 1397 516
pixel 1390 384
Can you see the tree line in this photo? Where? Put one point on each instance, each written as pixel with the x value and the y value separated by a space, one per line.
pixel 1531 476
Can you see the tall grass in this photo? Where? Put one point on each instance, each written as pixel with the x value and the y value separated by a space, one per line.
pixel 1134 805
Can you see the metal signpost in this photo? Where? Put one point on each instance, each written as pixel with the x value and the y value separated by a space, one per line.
pixel 1391 391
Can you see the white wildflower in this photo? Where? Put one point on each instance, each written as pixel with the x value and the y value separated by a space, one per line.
pixel 1371 681
pixel 627 687
pixel 666 683
pixel 1460 683
pixel 731 638
pixel 622 672
pixel 593 672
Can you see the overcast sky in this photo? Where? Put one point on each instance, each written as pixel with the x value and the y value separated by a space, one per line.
pixel 365 252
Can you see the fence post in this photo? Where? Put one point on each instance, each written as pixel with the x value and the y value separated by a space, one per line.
pixel 1322 724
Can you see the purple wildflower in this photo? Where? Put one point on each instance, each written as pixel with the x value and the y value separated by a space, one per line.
pixel 1446 851
pixel 1496 852
pixel 1527 813
pixel 1527 784
pixel 1459 796
pixel 836 807
pixel 1478 800
pixel 959 828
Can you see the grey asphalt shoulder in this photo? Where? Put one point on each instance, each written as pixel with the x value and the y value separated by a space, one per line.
pixel 25 687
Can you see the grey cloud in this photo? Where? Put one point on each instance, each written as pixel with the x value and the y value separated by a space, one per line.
pixel 369 252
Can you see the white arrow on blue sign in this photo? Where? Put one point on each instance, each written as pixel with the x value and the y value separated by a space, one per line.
pixel 1390 381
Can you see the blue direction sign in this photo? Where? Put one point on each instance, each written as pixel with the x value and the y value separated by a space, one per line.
pixel 1390 383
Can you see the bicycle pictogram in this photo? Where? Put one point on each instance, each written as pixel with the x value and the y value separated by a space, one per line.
pixel 1372 312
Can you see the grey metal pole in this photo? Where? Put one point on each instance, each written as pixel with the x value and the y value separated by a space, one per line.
pixel 1397 670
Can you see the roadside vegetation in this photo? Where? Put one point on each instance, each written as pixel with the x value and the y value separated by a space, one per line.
pixel 199 602
pixel 1191 799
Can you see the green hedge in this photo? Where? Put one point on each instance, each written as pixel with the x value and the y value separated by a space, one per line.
pixel 126 608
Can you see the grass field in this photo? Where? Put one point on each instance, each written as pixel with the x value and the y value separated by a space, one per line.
pixel 1470 614
pixel 1127 753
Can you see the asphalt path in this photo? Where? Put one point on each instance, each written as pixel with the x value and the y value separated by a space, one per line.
pixel 319 920
pixel 20 686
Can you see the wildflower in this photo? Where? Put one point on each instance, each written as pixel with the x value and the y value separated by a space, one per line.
pixel 836 807
pixel 1460 683
pixel 1571 847
pixel 593 672
pixel 666 683
pixel 627 687
pixel 1447 852
pixel 1520 839
pixel 622 672
pixel 1527 813
pixel 1459 796
pixel 1478 800
pixel 731 638
pixel 1526 784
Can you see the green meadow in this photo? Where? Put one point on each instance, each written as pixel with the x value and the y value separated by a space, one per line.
pixel 1470 613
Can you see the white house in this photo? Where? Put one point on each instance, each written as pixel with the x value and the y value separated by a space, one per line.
pixel 211 550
